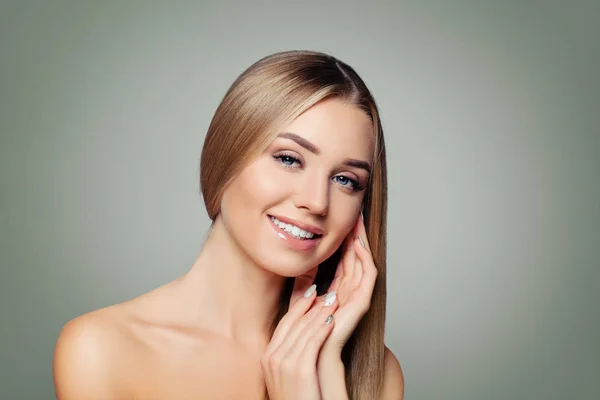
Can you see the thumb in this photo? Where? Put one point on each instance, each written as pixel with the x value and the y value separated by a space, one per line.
pixel 302 283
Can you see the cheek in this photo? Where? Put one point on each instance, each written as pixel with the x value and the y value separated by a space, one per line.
pixel 264 184
pixel 254 190
pixel 343 215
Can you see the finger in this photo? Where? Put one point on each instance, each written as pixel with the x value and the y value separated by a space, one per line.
pixel 314 344
pixel 345 267
pixel 335 283
pixel 305 359
pixel 297 310
pixel 295 352
pixel 321 333
pixel 358 264
pixel 353 268
pixel 342 265
pixel 349 257
pixel 361 238
pixel 361 231
pixel 339 274
pixel 302 283
pixel 301 323
pixel 369 271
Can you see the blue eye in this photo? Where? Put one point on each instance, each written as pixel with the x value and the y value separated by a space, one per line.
pixel 288 161
pixel 346 182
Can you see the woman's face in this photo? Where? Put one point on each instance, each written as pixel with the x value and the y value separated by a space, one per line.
pixel 292 207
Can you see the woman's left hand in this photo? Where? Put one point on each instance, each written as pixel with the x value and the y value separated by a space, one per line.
pixel 353 285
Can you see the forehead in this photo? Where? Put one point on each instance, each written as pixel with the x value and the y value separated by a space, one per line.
pixel 337 128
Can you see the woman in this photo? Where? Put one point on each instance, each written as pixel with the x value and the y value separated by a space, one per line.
pixel 294 153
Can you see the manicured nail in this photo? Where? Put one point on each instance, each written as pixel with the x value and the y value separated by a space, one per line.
pixel 330 298
pixel 328 320
pixel 309 292
pixel 361 241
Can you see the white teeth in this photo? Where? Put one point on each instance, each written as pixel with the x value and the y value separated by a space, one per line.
pixel 293 230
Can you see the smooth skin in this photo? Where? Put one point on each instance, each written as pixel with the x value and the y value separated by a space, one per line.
pixel 206 334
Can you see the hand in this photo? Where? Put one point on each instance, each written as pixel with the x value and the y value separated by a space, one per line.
pixel 353 283
pixel 290 359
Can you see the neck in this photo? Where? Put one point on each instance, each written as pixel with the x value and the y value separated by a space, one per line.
pixel 236 298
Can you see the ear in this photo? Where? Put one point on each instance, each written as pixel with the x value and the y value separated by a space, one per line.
pixel 302 283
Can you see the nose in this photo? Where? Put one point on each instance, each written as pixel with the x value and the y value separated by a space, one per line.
pixel 313 195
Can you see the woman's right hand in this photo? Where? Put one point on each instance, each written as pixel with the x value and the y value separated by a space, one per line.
pixel 290 360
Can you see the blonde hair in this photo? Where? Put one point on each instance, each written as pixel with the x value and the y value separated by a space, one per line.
pixel 269 95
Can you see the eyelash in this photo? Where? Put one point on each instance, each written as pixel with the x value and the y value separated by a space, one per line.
pixel 354 184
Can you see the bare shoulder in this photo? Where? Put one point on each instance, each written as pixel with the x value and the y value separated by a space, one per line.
pixel 393 378
pixel 86 356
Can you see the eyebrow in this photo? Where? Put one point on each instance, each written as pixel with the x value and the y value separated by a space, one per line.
pixel 301 141
pixel 350 162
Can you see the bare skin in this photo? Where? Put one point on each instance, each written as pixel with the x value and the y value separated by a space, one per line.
pixel 202 336
pixel 142 349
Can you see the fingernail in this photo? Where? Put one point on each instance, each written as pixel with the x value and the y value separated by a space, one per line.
pixel 330 298
pixel 328 320
pixel 361 241
pixel 309 292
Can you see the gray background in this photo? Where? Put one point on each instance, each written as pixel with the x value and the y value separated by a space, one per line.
pixel 491 114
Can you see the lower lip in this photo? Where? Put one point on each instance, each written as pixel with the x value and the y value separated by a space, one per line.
pixel 297 244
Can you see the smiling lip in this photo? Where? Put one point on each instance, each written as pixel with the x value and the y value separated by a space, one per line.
pixel 295 222
pixel 289 240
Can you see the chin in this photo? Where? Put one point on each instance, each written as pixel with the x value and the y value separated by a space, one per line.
pixel 288 267
pixel 289 263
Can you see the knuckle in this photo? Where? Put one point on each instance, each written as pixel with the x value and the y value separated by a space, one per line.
pixel 274 361
pixel 287 366
pixel 264 361
pixel 311 312
pixel 314 343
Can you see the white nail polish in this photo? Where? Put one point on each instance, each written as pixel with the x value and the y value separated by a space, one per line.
pixel 310 291
pixel 330 298
pixel 328 320
pixel 361 241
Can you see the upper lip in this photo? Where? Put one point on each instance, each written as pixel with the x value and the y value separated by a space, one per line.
pixel 299 224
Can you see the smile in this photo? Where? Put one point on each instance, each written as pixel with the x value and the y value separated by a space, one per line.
pixel 294 231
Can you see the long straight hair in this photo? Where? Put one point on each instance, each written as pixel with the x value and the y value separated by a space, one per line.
pixel 266 97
